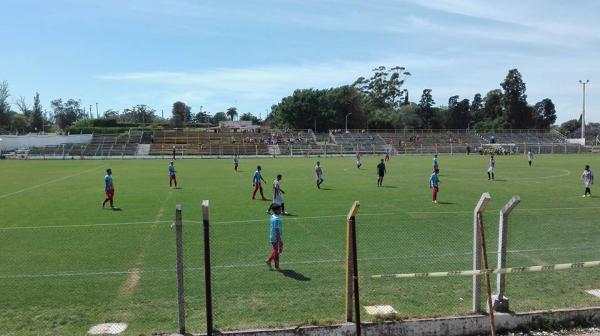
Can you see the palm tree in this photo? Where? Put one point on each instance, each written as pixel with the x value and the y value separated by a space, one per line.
pixel 231 112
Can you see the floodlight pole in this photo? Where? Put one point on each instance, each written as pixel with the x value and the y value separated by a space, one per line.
pixel 583 110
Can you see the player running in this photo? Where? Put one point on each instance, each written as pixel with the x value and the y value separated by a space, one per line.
pixel 275 237
pixel 236 162
pixel 358 162
pixel 436 166
pixel 380 173
pixel 529 157
pixel 109 189
pixel 588 180
pixel 277 196
pixel 491 168
pixel 319 173
pixel 256 183
pixel 434 181
pixel 172 177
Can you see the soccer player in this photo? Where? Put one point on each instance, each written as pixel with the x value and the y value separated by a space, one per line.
pixel 319 172
pixel 109 189
pixel 256 183
pixel 434 181
pixel 275 237
pixel 491 168
pixel 387 155
pixel 529 157
pixel 358 163
pixel 236 162
pixel 173 152
pixel 588 180
pixel 172 177
pixel 435 163
pixel 380 173
pixel 277 196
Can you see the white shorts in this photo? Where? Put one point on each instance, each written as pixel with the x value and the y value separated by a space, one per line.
pixel 491 170
pixel 278 200
pixel 587 184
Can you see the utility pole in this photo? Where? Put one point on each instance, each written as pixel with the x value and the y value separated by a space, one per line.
pixel 583 112
pixel 97 110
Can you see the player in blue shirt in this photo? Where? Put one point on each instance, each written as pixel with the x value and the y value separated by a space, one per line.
pixel 256 183
pixel 236 162
pixel 275 237
pixel 172 177
pixel 434 185
pixel 109 189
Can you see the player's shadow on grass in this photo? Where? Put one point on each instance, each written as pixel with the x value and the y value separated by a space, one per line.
pixel 323 188
pixel 393 187
pixel 288 273
pixel 500 180
pixel 446 203
pixel 116 209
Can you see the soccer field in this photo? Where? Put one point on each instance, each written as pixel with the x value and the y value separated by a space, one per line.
pixel 66 264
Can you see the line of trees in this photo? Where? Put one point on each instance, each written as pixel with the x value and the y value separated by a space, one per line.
pixel 380 102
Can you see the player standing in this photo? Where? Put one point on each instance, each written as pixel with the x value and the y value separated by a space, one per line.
pixel 491 168
pixel 256 183
pixel 319 173
pixel 277 196
pixel 387 155
pixel 435 163
pixel 172 177
pixel 588 180
pixel 434 186
pixel 173 152
pixel 380 173
pixel 529 157
pixel 109 189
pixel 358 163
pixel 275 237
pixel 236 162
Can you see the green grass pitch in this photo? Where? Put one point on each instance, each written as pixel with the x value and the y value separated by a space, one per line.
pixel 67 264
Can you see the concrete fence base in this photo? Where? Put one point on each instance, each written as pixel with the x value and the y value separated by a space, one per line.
pixel 464 325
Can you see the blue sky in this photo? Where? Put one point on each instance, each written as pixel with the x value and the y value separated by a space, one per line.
pixel 250 54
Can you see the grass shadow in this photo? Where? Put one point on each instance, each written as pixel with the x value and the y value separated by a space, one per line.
pixel 447 203
pixel 288 273
pixel 393 187
pixel 324 188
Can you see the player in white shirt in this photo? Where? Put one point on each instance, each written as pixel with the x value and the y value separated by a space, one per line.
pixel 319 173
pixel 277 195
pixel 529 157
pixel 491 168
pixel 588 180
pixel 358 163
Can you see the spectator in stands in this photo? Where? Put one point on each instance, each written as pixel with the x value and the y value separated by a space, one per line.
pixel 588 180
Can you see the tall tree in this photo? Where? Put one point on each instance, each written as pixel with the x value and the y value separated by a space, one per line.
pixel 385 86
pixel 219 116
pixel 426 108
pixel 180 111
pixel 4 104
pixel 249 117
pixel 37 116
pixel 569 126
pixel 23 107
pixel 67 113
pixel 544 113
pixel 140 113
pixel 476 108
pixel 514 101
pixel 232 112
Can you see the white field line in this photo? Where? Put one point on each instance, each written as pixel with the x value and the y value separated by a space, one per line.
pixel 288 218
pixel 300 262
pixel 46 183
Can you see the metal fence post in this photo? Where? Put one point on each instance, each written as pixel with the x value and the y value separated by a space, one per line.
pixel 180 292
pixel 207 275
pixel 350 257
pixel 477 212
pixel 501 302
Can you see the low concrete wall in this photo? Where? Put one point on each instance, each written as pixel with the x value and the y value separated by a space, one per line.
pixel 466 325
pixel 12 142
